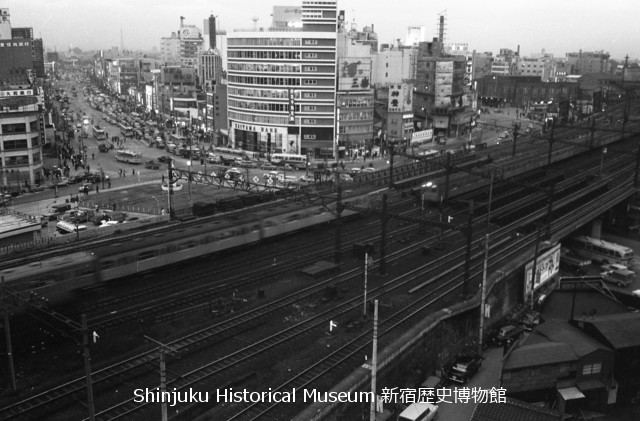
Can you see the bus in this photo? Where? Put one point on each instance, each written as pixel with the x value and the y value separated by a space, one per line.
pixel 125 130
pixel 296 161
pixel 227 155
pixel 601 251
pixel 130 157
pixel 577 265
pixel 177 139
pixel 99 133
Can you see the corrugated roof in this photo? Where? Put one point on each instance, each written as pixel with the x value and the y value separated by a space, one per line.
pixel 539 354
pixel 563 332
pixel 620 330
pixel 513 410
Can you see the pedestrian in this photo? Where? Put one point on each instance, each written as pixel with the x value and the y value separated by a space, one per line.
pixel 109 181
pixel 162 178
pixel 97 189
pixel 133 172
pixel 93 155
pixel 113 206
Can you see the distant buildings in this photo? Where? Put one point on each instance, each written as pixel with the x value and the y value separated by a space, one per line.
pixel 587 62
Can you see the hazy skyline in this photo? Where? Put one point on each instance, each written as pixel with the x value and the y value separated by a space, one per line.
pixel 557 27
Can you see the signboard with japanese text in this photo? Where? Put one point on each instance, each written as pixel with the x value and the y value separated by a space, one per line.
pixel 354 74
pixel 423 136
pixel 400 97
pixel 547 266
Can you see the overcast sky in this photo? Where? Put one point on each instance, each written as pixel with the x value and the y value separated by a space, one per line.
pixel 558 26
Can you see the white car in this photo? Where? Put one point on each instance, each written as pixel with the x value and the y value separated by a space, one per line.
pixel 636 293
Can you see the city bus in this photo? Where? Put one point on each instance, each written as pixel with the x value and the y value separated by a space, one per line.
pixel 125 130
pixel 296 161
pixel 130 157
pixel 601 251
pixel 99 133
pixel 228 155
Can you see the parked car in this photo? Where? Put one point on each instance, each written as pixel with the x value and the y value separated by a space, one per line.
pixel 61 182
pixel 506 334
pixel 151 165
pixel 346 178
pixel 85 188
pixel 234 174
pixel 35 189
pixel 164 158
pixel 464 367
pixel 369 169
pixel 103 148
pixel 619 277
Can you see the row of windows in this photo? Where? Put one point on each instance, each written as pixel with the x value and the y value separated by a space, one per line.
pixel 263 41
pixel 262 106
pixel 362 115
pixel 12 128
pixel 273 81
pixel 17 160
pixel 262 93
pixel 356 103
pixel 272 55
pixel 263 67
pixel 251 118
pixel 363 128
pixel 12 145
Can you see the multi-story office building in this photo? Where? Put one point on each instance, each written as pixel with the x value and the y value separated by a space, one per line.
pixel 542 66
pixel 282 85
pixel 355 99
pixel 209 69
pixel 587 62
pixel 392 66
pixel 170 48
pixel 21 104
pixel 22 134
pixel 190 44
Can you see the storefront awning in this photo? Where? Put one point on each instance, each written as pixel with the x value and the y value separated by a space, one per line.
pixel 570 393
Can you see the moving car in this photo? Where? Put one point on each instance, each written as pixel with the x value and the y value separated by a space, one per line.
pixel 151 165
pixel 85 188
pixel 463 368
pixel 165 159
pixel 619 277
pixel 103 148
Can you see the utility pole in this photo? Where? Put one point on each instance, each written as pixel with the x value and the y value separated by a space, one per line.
pixel 635 179
pixel 374 363
pixel 553 125
pixel 483 297
pixel 170 191
pixel 162 350
pixel 534 272
pixel 339 208
pixel 467 261
pixel 516 127
pixel 7 335
pixel 87 367
pixel 383 236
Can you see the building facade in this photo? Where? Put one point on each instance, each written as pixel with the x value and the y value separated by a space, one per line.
pixel 392 66
pixel 282 86
pixel 587 62
pixel 21 135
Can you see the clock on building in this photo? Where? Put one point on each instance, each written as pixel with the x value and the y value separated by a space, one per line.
pixel 186 32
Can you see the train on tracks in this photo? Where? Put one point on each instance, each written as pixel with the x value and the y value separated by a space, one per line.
pixel 55 278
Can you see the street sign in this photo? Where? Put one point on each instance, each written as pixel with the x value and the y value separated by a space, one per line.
pixel 269 181
pixel 227 176
pixel 332 324
pixel 95 336
pixel 256 179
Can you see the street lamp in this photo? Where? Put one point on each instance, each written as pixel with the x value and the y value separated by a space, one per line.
pixel 604 151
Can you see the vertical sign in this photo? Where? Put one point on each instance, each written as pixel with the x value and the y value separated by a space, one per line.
pixel 292 107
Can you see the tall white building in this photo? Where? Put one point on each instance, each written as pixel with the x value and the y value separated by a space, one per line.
pixel 282 85
pixel 415 35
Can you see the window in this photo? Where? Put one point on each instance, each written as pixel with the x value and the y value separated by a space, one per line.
pixel 310 82
pixel 309 108
pixel 591 369
pixel 387 65
pixel 33 126
pixel 15 144
pixel 309 137
pixel 310 55
pixel 310 95
pixel 310 42
pixel 14 128
pixel 310 68
pixel 309 121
